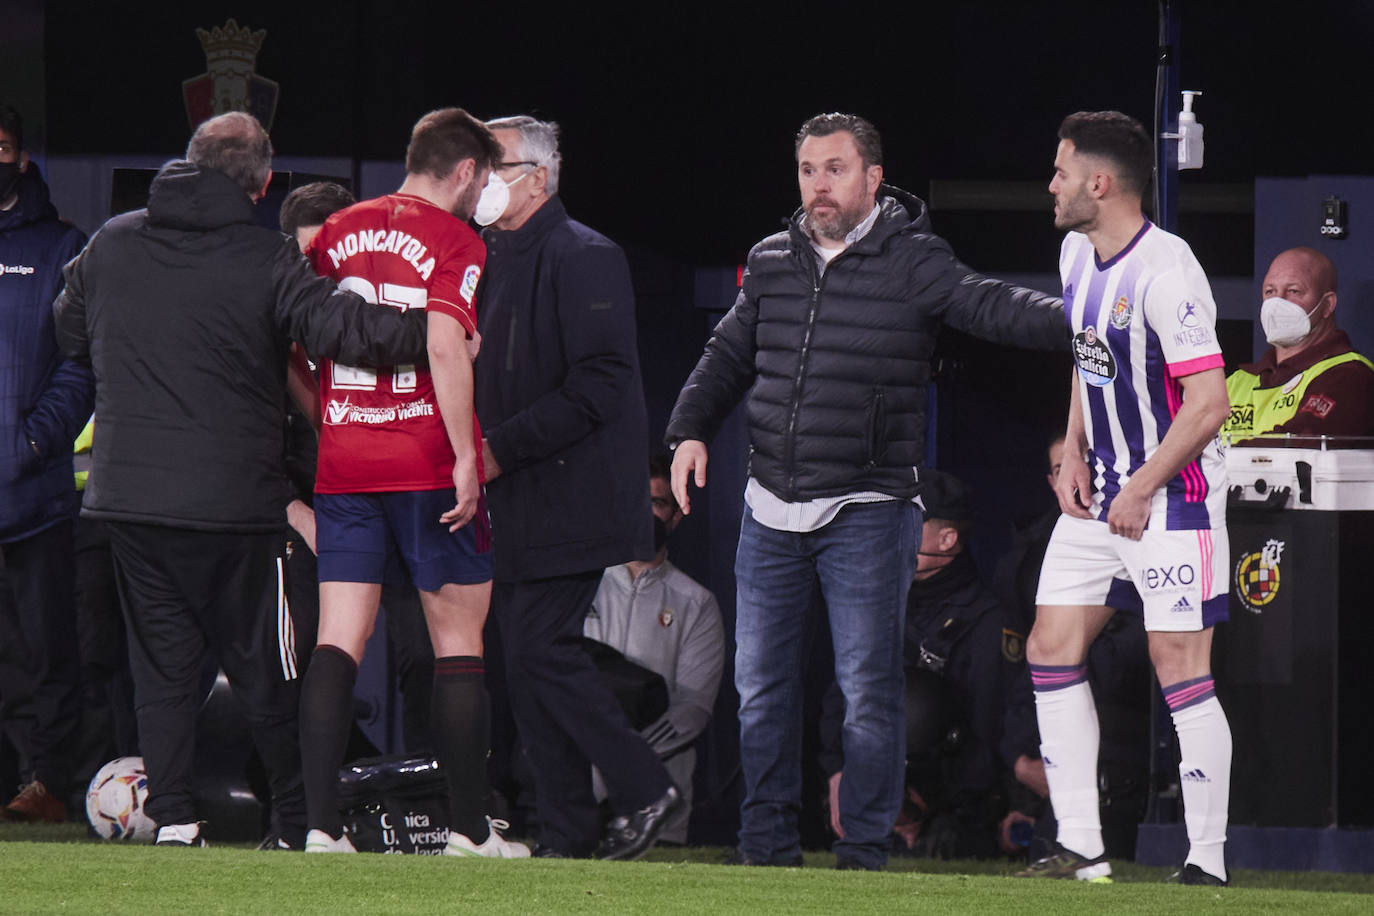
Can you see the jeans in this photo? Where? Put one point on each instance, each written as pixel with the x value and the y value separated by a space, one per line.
pixel 863 561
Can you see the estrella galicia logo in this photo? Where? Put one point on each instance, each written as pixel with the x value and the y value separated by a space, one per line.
pixel 1121 314
pixel 1257 576
pixel 1095 362
pixel 1187 315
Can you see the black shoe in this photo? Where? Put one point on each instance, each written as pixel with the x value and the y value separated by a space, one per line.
pixel 1191 874
pixel 630 836
pixel 279 842
pixel 736 856
pixel 1065 863
pixel 849 863
pixel 541 851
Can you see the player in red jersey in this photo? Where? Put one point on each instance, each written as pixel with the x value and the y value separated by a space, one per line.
pixel 399 476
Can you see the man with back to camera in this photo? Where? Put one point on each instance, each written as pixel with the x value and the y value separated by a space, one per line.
pixel 399 478
pixel 185 311
pixel 831 339
pixel 44 402
pixel 562 406
pixel 1142 488
pixel 1310 382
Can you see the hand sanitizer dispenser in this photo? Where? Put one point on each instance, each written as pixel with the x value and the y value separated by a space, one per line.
pixel 1189 134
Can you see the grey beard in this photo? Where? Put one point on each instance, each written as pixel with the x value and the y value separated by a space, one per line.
pixel 836 229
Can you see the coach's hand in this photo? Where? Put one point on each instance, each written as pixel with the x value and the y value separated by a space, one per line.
pixel 688 459
pixel 302 518
pixel 1129 512
pixel 468 491
pixel 491 468
pixel 1074 486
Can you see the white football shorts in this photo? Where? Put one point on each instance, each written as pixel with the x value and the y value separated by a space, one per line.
pixel 1181 576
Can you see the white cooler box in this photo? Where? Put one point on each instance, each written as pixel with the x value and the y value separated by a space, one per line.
pixel 1301 478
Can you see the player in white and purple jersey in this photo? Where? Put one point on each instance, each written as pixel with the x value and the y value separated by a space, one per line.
pixel 1142 488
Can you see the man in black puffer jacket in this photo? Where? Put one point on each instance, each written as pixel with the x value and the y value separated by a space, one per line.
pixel 186 311
pixel 831 338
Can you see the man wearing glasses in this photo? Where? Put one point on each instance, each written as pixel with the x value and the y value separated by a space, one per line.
pixel 562 411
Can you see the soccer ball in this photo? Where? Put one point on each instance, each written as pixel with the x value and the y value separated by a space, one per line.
pixel 114 801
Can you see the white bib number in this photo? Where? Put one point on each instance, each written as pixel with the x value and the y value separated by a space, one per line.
pixel 403 379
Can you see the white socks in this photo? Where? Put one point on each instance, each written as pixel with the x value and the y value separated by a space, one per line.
pixel 1204 741
pixel 1068 747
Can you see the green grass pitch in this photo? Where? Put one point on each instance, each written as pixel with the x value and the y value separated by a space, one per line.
pixel 56 869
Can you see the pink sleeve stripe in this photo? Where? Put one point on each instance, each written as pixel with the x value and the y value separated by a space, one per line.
pixel 1194 366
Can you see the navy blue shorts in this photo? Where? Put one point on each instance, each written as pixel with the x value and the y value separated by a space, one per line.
pixel 365 537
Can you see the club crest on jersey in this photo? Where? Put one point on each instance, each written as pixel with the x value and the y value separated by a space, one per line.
pixel 1095 362
pixel 1121 314
pixel 469 287
pixel 665 617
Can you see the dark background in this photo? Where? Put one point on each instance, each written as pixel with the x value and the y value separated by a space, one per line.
pixel 678 119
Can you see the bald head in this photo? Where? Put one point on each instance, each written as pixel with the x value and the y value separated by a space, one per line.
pixel 1307 278
pixel 1314 268
pixel 235 144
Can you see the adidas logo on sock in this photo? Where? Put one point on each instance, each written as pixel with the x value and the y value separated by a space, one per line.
pixel 1195 776
pixel 1183 607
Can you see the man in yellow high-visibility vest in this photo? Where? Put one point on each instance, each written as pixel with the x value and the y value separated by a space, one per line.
pixel 1310 382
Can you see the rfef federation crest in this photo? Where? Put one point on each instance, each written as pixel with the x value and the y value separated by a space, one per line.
pixel 229 83
pixel 1257 576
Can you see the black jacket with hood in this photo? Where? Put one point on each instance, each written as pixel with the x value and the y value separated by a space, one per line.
pixel 185 311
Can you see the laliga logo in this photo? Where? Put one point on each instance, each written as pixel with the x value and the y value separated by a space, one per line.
pixel 1257 576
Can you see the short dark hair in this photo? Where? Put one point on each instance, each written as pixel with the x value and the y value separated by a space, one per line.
pixel 312 204
pixel 866 136
pixel 237 145
pixel 444 138
pixel 1116 137
pixel 12 123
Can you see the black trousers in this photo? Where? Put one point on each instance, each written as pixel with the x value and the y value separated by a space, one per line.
pixel 40 667
pixel 567 717
pixel 192 594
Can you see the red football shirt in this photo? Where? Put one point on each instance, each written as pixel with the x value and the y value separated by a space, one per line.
pixel 382 431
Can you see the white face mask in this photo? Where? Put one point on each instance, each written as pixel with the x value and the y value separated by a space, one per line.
pixel 1285 323
pixel 491 206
